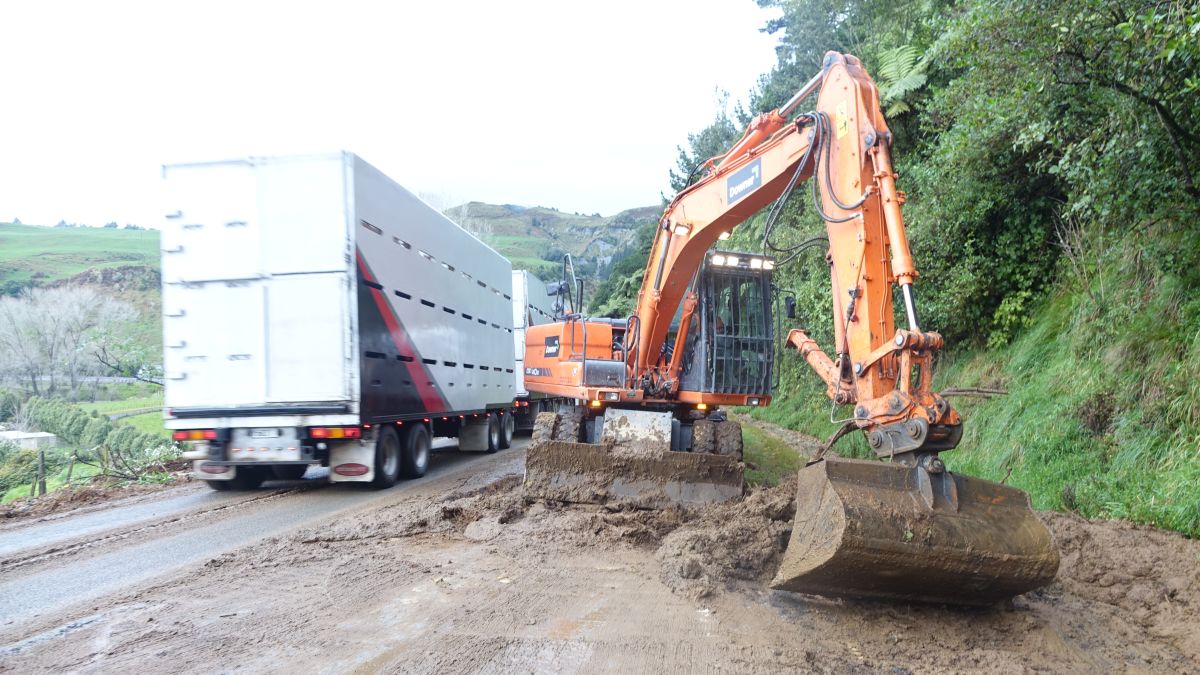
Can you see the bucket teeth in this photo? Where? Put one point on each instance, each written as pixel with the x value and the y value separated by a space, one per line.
pixel 883 530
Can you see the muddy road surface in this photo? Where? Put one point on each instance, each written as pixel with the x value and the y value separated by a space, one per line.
pixel 70 558
pixel 458 573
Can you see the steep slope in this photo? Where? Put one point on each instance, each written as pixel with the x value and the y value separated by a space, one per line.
pixel 32 255
pixel 536 238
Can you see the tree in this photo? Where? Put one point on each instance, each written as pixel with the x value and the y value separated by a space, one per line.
pixel 53 334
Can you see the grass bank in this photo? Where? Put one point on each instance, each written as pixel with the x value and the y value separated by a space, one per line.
pixel 1102 417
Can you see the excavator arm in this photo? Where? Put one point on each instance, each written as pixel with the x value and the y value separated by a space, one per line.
pixel 844 145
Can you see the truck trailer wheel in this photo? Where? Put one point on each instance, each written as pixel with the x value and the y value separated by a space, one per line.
pixel 495 434
pixel 508 427
pixel 417 446
pixel 387 458
pixel 219 484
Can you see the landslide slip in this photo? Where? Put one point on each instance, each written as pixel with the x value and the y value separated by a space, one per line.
pixel 479 580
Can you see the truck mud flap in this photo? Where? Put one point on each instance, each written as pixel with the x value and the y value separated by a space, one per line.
pixel 884 530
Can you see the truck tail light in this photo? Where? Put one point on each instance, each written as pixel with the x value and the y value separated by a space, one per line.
pixel 334 432
pixel 195 435
pixel 351 469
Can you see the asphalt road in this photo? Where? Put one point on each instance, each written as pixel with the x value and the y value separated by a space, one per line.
pixel 51 564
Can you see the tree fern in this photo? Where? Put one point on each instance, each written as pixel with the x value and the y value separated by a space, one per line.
pixel 901 72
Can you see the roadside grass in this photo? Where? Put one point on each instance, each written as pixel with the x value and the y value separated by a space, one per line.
pixel 150 400
pixel 767 458
pixel 54 481
pixel 151 423
pixel 1102 415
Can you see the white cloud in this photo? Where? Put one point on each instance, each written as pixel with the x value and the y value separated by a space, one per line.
pixel 573 105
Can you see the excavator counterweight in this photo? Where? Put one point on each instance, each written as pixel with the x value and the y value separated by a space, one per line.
pixel 648 430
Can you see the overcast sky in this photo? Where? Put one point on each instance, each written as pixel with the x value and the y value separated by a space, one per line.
pixel 576 105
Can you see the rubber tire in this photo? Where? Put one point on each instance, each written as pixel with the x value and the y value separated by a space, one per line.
pixel 289 471
pixel 704 436
pixel 508 427
pixel 543 427
pixel 729 439
pixel 247 478
pixel 494 434
pixel 570 425
pixel 388 457
pixel 219 485
pixel 414 455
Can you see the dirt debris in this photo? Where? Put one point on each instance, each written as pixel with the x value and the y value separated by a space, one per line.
pixel 729 543
pixel 68 499
pixel 1149 576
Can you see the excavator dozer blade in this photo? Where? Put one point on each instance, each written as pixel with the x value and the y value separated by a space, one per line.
pixel 885 530
pixel 626 476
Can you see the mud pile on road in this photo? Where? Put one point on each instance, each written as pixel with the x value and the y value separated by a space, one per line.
pixel 729 543
pixel 1151 578
pixel 68 499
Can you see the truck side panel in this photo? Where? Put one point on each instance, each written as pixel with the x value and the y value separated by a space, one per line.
pixel 434 308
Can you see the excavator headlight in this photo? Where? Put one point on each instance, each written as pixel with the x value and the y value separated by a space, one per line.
pixel 768 265
pixel 732 261
pixel 718 260
pixel 752 401
pixel 723 236
pixel 682 229
pixel 756 263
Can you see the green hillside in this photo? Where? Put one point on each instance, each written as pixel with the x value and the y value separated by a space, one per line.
pixel 32 255
pixel 536 238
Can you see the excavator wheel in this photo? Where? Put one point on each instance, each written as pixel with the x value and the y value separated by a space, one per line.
pixel 729 439
pixel 704 436
pixel 885 530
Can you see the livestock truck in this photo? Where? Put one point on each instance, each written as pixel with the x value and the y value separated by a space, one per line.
pixel 316 312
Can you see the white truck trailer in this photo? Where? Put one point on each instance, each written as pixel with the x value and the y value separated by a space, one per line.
pixel 315 312
pixel 532 306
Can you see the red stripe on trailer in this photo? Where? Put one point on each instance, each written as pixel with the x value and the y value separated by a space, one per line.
pixel 431 397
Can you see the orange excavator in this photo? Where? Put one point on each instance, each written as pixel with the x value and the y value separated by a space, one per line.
pixel 648 430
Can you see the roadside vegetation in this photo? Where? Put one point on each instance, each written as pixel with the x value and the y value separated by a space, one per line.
pixel 92 448
pixel 1048 151
pixel 768 459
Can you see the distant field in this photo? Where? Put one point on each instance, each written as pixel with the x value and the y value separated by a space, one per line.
pixel 45 254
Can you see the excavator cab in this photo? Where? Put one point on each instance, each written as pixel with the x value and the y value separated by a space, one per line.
pixel 733 350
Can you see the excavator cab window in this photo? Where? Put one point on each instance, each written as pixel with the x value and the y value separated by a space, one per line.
pixel 732 351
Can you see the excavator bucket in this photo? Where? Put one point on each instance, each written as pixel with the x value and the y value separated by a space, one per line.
pixel 885 530
pixel 632 466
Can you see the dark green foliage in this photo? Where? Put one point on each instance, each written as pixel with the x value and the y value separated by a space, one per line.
pixel 1049 152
